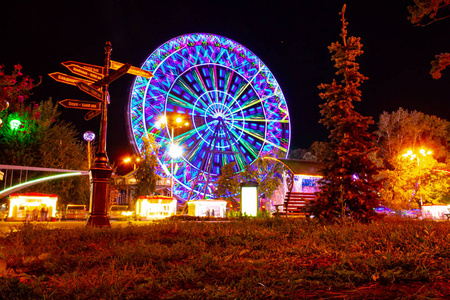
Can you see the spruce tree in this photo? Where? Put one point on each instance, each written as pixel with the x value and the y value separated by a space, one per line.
pixel 349 187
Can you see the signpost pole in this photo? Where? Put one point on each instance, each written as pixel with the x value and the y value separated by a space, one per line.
pixel 101 172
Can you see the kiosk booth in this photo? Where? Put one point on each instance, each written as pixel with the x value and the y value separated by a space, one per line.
pixel 30 204
pixel 207 208
pixel 155 207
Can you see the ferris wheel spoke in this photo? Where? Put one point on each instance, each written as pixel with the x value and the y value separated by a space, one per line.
pixel 239 157
pixel 242 141
pixel 176 101
pixel 246 86
pixel 256 101
pixel 203 85
pixel 195 141
pixel 190 90
pixel 184 137
pixel 227 82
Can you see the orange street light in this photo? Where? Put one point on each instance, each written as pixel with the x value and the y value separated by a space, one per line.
pixel 412 156
pixel 134 159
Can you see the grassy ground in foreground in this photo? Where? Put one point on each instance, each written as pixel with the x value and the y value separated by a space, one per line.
pixel 268 258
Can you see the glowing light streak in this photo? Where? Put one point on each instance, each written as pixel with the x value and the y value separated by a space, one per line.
pixel 36 181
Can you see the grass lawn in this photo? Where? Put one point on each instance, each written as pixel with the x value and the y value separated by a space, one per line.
pixel 263 258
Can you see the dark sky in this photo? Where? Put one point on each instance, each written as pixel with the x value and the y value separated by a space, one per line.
pixel 290 37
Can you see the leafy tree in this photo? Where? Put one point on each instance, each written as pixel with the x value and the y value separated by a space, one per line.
pixel 425 12
pixel 399 132
pixel 228 182
pixel 438 65
pixel 267 173
pixel 228 185
pixel 146 176
pixel 50 143
pixel 402 130
pixel 297 153
pixel 15 88
pixel 41 139
pixel 414 181
pixel 349 186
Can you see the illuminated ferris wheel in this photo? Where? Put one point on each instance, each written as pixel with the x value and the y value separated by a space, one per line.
pixel 231 103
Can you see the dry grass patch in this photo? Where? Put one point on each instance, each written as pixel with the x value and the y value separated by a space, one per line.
pixel 269 258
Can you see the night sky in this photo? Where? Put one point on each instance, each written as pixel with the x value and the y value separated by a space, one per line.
pixel 290 37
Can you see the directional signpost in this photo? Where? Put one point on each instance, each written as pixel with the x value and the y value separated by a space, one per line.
pixel 90 90
pixel 91 68
pixel 91 114
pixel 67 79
pixel 80 104
pixel 133 70
pixel 76 69
pixel 113 76
pixel 96 84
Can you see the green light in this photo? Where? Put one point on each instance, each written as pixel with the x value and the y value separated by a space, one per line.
pixel 15 124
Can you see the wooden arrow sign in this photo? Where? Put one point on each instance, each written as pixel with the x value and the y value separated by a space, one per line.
pixel 92 114
pixel 67 79
pixel 80 104
pixel 91 68
pixel 83 72
pixel 133 70
pixel 90 90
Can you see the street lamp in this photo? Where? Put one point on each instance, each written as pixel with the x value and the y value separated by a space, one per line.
pixel 133 159
pixel 175 150
pixel 89 136
pixel 411 155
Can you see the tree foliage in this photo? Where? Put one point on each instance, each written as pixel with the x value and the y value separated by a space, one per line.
pixel 15 88
pixel 227 183
pixel 421 180
pixel 349 186
pixel 146 176
pixel 405 130
pixel 401 130
pixel 441 62
pixel 267 173
pixel 425 12
pixel 41 140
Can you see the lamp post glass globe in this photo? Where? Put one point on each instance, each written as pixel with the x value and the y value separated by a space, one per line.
pixel 89 136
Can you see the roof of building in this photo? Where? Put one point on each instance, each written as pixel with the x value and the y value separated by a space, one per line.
pixel 301 167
